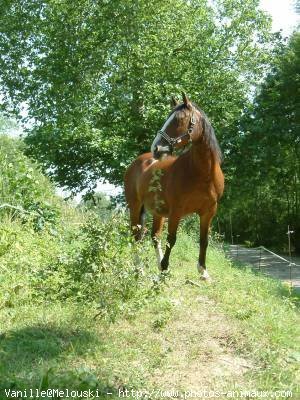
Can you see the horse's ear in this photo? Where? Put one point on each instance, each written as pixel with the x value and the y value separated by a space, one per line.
pixel 186 100
pixel 174 102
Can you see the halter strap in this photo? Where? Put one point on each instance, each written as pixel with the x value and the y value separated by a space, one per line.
pixel 173 141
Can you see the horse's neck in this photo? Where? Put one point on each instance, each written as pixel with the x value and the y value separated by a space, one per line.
pixel 202 158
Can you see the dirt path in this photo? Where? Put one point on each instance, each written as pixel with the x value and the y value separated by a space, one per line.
pixel 201 352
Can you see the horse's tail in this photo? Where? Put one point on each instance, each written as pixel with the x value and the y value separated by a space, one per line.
pixel 135 205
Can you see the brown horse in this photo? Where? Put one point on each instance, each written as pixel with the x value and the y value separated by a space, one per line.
pixel 173 187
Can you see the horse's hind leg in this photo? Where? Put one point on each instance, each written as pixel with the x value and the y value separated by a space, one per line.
pixel 157 226
pixel 205 221
pixel 137 220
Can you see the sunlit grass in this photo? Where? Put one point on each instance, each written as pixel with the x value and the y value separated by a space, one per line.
pixel 63 344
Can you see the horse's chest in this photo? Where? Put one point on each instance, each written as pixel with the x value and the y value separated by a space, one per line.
pixel 197 201
pixel 156 203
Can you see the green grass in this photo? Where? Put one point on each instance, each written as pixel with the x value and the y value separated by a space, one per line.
pixel 268 317
pixel 181 336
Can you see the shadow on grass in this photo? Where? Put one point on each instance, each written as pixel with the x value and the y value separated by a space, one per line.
pixel 36 357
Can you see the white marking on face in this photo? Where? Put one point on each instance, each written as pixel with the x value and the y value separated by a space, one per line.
pixel 158 136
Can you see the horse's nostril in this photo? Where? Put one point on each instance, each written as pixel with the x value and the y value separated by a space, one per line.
pixel 159 151
pixel 156 154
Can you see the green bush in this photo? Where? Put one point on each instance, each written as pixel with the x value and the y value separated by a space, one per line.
pixel 24 191
pixel 99 267
pixel 51 252
pixel 95 262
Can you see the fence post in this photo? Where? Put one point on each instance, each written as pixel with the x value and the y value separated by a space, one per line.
pixel 289 233
pixel 230 220
pixel 237 246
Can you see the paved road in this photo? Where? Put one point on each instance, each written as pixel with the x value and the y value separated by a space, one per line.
pixel 268 263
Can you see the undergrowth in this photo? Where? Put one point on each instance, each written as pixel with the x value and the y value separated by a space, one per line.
pixel 50 252
pixel 25 193
pixel 96 262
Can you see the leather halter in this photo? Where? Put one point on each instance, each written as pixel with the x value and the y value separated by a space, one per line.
pixel 173 141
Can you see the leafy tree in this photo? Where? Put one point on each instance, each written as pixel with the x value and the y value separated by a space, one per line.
pixel 99 203
pixel 264 192
pixel 96 76
pixel 7 125
pixel 24 191
pixel 297 6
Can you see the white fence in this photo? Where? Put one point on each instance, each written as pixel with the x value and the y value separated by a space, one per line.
pixel 269 263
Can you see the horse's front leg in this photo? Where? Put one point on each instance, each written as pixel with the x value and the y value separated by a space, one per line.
pixel 205 221
pixel 173 223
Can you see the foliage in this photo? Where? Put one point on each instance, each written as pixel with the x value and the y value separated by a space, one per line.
pixel 91 262
pixel 99 268
pixel 96 76
pixel 51 252
pixel 98 202
pixel 7 125
pixel 297 6
pixel 263 166
pixel 24 191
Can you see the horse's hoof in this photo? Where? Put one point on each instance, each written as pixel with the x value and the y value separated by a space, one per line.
pixel 205 278
pixel 163 266
pixel 204 275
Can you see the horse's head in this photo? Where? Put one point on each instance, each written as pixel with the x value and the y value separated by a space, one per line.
pixel 181 127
